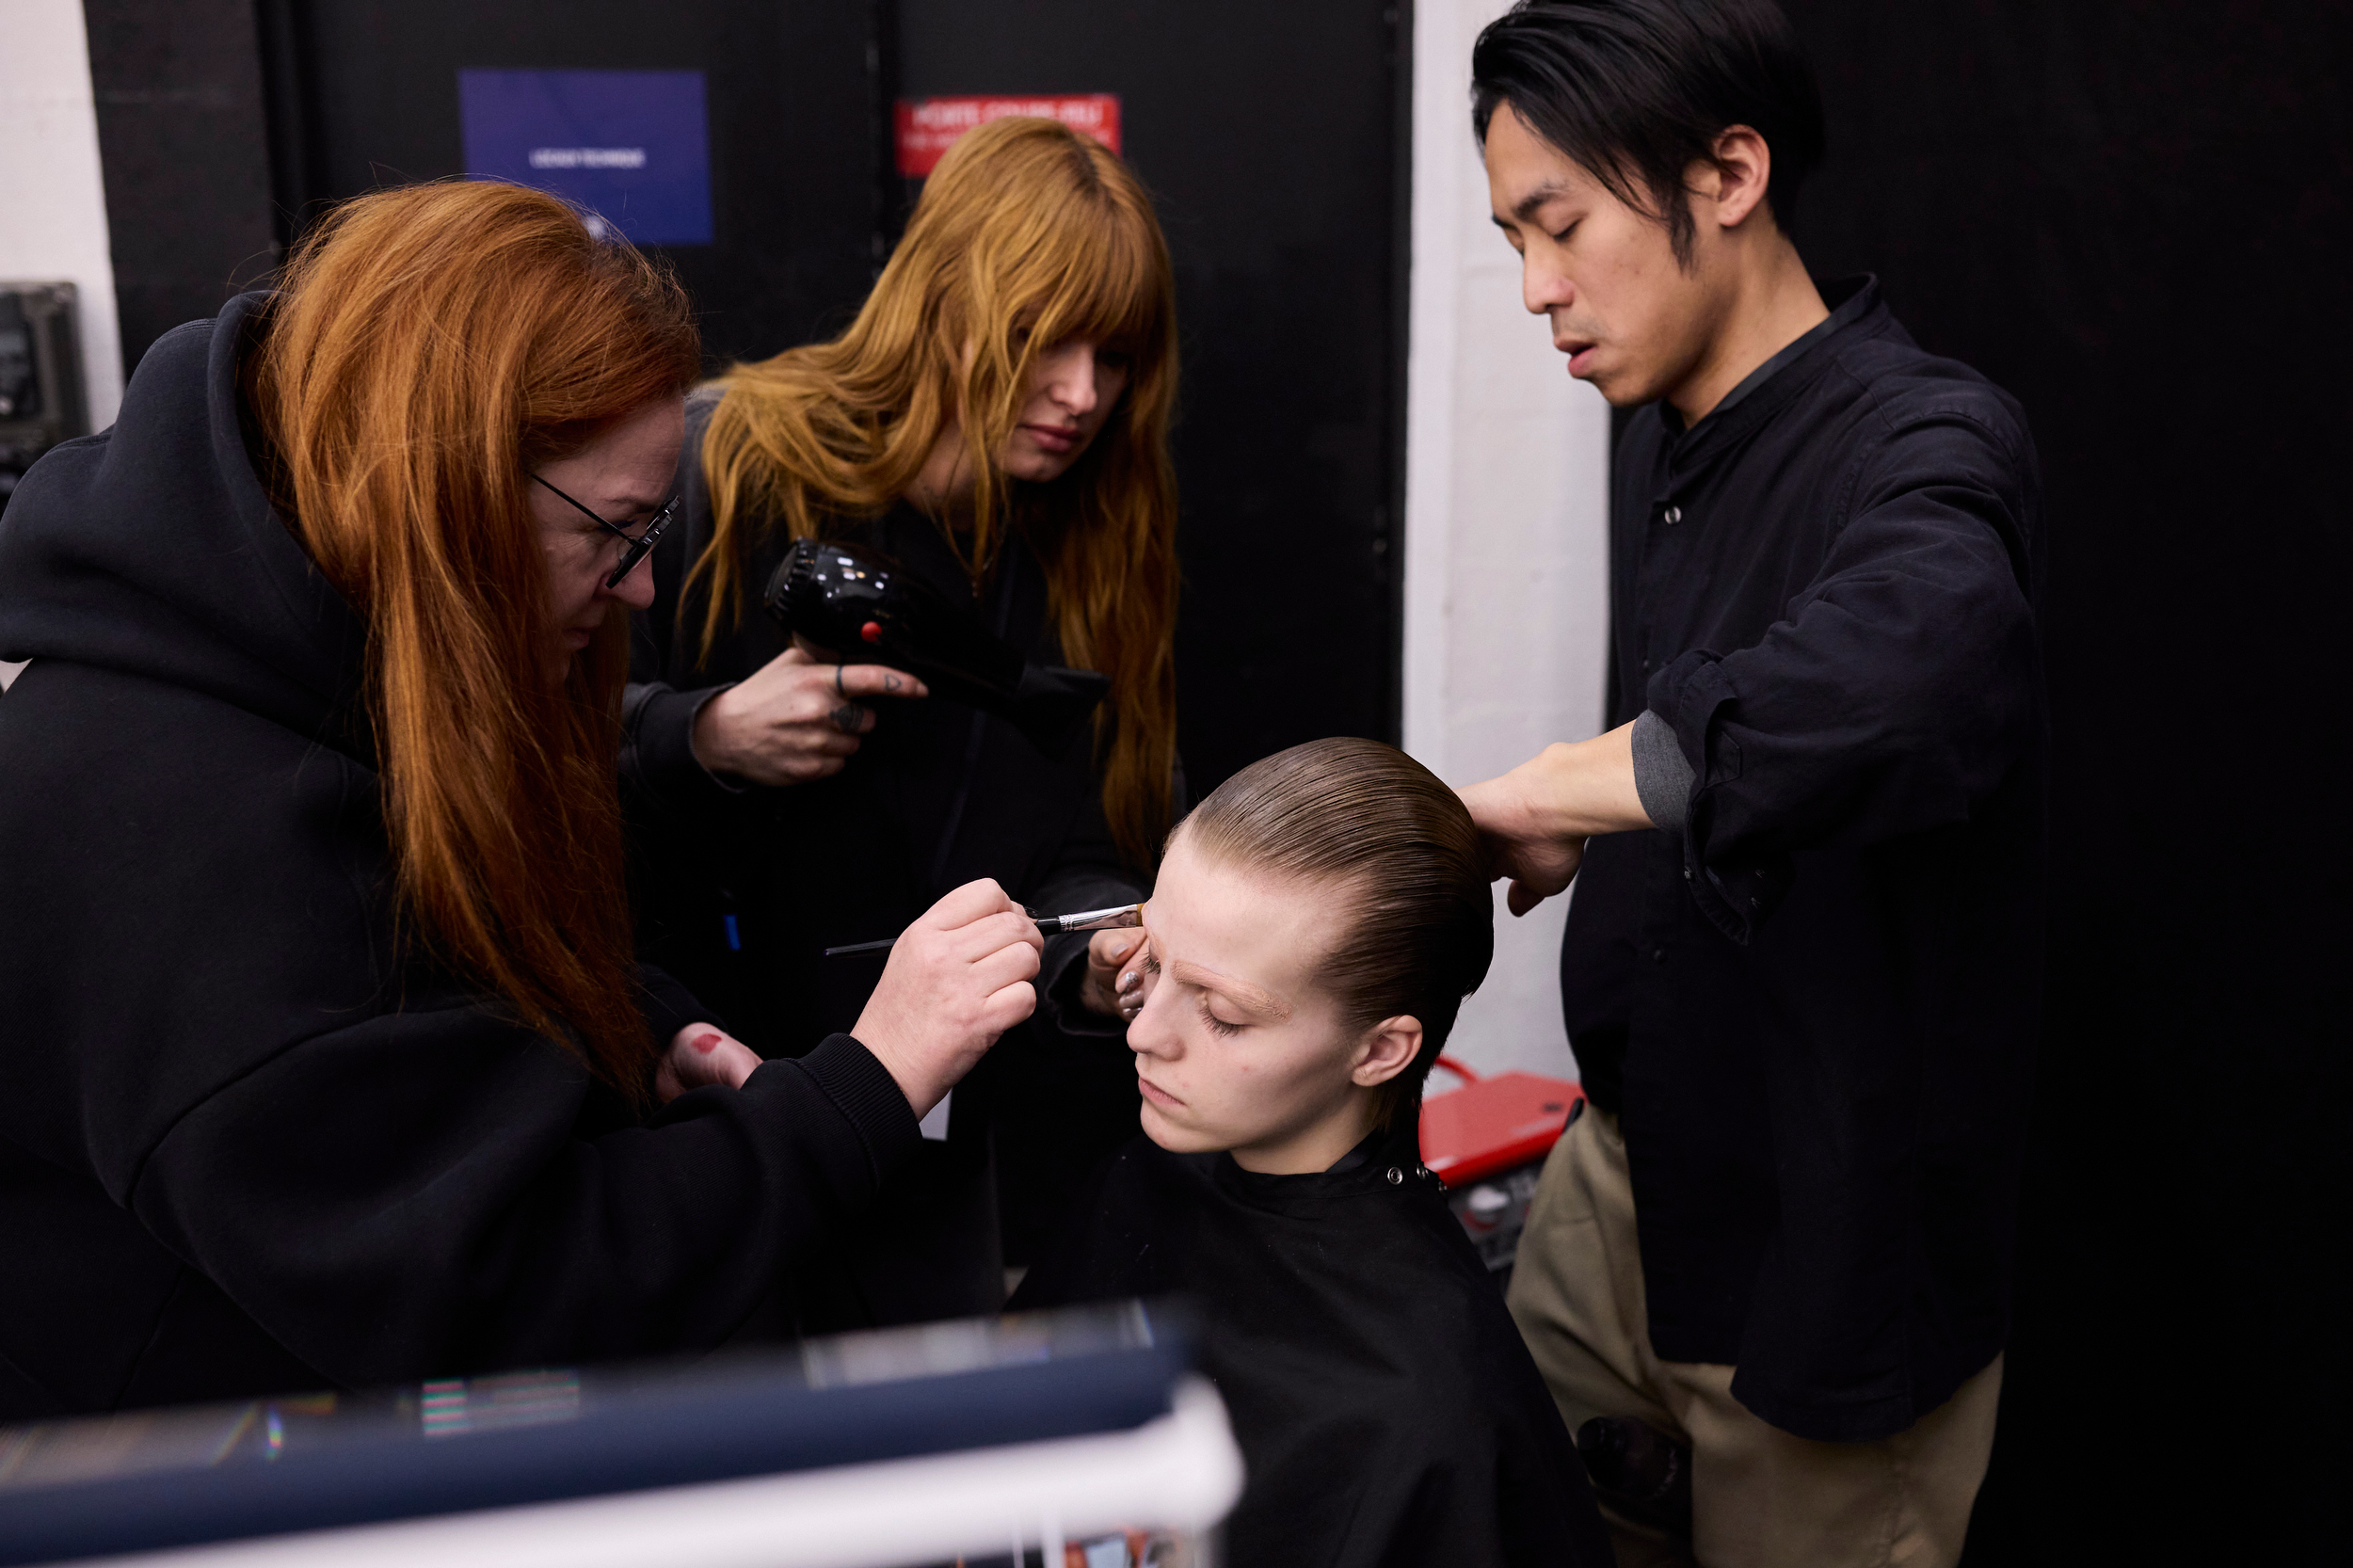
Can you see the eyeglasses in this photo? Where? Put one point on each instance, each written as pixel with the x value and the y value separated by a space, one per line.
pixel 640 545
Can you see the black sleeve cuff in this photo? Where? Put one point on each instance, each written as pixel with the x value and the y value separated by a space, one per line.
pixel 1690 698
pixel 657 743
pixel 1060 979
pixel 866 1093
pixel 1662 774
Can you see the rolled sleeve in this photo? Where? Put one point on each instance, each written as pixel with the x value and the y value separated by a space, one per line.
pixel 1662 774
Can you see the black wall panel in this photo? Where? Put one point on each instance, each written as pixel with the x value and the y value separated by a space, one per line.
pixel 1271 136
pixel 181 141
pixel 2133 214
pixel 364 93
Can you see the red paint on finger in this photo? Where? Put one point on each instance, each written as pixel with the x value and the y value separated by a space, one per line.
pixel 872 632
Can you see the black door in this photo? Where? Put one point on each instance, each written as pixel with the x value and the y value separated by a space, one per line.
pixel 366 94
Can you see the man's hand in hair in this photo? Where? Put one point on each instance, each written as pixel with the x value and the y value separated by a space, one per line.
pixel 1537 817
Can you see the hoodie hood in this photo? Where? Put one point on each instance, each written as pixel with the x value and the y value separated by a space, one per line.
pixel 151 548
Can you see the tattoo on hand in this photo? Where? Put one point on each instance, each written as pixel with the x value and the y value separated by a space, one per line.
pixel 846 718
pixel 890 683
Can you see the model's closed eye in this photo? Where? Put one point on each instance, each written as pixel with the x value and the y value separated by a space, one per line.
pixel 1240 996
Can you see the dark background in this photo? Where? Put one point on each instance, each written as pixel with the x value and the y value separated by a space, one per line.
pixel 2131 213
pixel 184 144
pixel 227 123
pixel 364 93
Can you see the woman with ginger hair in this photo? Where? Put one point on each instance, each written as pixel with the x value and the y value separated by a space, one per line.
pixel 328 1059
pixel 995 420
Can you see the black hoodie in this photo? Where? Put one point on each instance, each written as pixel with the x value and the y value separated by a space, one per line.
pixel 246 1144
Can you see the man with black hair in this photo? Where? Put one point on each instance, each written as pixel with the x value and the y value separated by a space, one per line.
pixel 1801 970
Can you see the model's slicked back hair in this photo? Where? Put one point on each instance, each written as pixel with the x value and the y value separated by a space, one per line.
pixel 426 349
pixel 1399 848
pixel 1027 236
pixel 1637 91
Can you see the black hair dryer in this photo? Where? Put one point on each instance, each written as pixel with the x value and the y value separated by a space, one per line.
pixel 859 605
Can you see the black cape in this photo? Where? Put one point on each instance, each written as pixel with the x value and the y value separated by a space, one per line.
pixel 248 1142
pixel 1387 1409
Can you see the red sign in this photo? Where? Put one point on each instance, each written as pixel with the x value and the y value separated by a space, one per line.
pixel 929 126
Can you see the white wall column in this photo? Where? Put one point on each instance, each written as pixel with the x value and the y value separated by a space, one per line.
pixel 52 206
pixel 1506 525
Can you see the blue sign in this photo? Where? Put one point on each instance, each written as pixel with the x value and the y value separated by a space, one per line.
pixel 631 147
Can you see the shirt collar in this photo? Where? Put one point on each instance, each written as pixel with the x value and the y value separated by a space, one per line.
pixel 1364 1167
pixel 1855 298
pixel 1362 1153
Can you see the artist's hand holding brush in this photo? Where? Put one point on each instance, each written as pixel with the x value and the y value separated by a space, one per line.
pixel 956 979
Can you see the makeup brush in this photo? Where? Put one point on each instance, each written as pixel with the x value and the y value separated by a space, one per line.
pixel 1122 916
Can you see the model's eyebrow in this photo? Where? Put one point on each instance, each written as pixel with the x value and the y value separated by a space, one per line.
pixel 1259 1003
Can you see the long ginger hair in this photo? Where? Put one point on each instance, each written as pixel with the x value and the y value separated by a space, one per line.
pixel 1027 236
pixel 424 350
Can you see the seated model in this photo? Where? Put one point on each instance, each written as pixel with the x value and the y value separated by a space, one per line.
pixel 1317 922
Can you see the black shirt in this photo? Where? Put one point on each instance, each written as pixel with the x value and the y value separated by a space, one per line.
pixel 1387 1412
pixel 1815 1005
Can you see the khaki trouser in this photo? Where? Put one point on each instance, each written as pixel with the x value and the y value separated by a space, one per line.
pixel 1760 1498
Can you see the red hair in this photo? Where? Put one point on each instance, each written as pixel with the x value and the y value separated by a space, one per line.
pixel 426 349
pixel 1028 234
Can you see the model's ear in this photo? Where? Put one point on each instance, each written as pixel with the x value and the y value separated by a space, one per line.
pixel 1734 185
pixel 1388 1048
